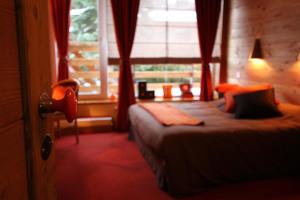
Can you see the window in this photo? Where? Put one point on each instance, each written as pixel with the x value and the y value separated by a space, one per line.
pixel 84 52
pixel 165 50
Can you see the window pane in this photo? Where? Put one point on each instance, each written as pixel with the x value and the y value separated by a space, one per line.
pixel 111 37
pixel 159 75
pixel 165 29
pixel 113 79
pixel 84 52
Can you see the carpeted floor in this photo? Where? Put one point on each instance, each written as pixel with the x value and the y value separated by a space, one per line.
pixel 108 166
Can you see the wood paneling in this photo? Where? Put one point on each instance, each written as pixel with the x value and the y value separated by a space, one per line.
pixel 224 44
pixel 10 98
pixel 13 178
pixel 13 163
pixel 277 23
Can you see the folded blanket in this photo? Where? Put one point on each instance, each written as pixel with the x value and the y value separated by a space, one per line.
pixel 168 114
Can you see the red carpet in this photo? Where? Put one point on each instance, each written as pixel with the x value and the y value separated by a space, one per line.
pixel 109 167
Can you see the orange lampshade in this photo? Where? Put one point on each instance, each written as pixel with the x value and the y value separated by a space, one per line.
pixel 185 87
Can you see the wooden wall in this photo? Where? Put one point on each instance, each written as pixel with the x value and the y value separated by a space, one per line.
pixel 13 179
pixel 277 23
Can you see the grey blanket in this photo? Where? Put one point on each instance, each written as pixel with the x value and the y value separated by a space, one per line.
pixel 224 150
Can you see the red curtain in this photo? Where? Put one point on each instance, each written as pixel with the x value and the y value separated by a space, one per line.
pixel 125 19
pixel 208 12
pixel 61 21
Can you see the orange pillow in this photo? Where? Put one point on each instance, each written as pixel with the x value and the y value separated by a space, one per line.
pixel 226 87
pixel 229 96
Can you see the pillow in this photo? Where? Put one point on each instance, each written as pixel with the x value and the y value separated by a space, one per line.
pixel 257 104
pixel 226 87
pixel 229 96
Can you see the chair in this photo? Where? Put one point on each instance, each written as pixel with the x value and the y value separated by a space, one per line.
pixel 58 92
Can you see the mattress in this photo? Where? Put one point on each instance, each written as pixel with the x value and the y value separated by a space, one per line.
pixel 189 159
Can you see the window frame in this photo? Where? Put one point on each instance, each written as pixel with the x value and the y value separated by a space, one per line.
pixel 163 60
pixel 105 61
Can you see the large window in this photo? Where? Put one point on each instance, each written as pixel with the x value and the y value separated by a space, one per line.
pixel 165 50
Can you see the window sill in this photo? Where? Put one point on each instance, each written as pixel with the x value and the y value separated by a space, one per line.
pixel 156 99
pixel 173 99
pixel 97 101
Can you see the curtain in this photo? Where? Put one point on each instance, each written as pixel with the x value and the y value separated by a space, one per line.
pixel 125 19
pixel 61 21
pixel 208 12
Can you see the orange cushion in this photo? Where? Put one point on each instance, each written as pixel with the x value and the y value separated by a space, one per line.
pixel 226 87
pixel 229 96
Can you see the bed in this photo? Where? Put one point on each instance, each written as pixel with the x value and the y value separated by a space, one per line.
pixel 190 159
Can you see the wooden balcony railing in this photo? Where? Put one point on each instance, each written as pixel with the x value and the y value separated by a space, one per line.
pixel 84 67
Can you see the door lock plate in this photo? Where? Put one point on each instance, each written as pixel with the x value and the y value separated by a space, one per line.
pixel 46 147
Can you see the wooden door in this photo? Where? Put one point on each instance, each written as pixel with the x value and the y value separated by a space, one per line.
pixel 25 73
pixel 36 56
pixel 13 178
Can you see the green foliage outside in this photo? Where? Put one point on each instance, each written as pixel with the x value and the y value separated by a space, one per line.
pixel 84 26
pixel 84 22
